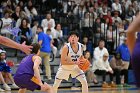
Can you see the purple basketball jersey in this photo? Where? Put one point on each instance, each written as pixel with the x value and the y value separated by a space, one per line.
pixel 136 60
pixel 24 74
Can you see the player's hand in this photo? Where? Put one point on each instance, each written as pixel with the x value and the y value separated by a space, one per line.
pixel 44 87
pixel 81 60
pixel 25 48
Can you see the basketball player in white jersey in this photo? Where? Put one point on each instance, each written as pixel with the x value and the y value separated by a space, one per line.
pixel 71 52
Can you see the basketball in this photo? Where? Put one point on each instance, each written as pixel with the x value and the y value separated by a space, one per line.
pixel 84 64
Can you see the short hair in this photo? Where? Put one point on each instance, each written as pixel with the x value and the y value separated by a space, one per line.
pixel 48 30
pixel 35 48
pixel 117 54
pixel 40 27
pixel 73 33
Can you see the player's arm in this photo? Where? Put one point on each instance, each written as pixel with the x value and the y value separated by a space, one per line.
pixel 37 61
pixel 65 58
pixel 10 43
pixel 132 29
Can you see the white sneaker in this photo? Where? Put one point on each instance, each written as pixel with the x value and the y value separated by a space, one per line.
pixel 6 87
pixel 1 90
pixel 14 86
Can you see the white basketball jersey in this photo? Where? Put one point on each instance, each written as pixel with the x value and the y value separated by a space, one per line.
pixel 75 56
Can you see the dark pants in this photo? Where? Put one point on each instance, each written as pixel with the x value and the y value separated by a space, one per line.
pixel 103 73
pixel 118 73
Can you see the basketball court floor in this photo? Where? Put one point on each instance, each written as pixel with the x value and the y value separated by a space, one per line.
pixel 91 90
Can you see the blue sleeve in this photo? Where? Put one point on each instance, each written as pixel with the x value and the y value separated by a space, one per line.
pixel 40 37
pixel 50 38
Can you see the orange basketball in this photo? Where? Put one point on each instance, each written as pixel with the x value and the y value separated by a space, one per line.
pixel 84 65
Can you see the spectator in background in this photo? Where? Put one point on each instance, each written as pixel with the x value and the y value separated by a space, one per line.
pixel 109 17
pixel 130 13
pixel 21 16
pixel 104 9
pixel 121 38
pixel 7 23
pixel 16 14
pixel 25 33
pixel 97 24
pixel 110 39
pixel 89 74
pixel 88 19
pixel 87 23
pixel 6 71
pixel 93 14
pixel 98 35
pixel 6 87
pixel 45 42
pixel 116 17
pixel 21 4
pixel 88 44
pixel 127 4
pixel 104 26
pixel 136 5
pixel 102 67
pixel 48 20
pixel 49 26
pixel 117 65
pixel 80 10
pixel 34 30
pixel 100 50
pixel 125 56
pixel 124 52
pixel 116 6
pixel 30 11
pixel 54 48
pixel 59 35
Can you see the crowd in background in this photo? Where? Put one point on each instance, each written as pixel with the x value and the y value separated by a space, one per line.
pixel 102 26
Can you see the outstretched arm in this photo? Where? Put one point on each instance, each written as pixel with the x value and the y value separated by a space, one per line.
pixel 10 43
pixel 133 28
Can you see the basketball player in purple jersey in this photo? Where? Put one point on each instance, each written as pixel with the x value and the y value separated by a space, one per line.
pixel 134 47
pixel 27 76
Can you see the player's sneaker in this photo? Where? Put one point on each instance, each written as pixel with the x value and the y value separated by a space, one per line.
pixel 1 90
pixel 6 87
pixel 14 86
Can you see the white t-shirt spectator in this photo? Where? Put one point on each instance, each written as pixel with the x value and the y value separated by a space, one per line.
pixel 45 23
pixel 101 65
pixel 117 19
pixel 116 7
pixel 98 53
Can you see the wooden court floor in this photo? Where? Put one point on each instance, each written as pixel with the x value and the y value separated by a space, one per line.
pixel 91 90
